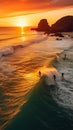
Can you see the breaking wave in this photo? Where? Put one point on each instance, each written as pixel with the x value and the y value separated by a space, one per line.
pixel 8 50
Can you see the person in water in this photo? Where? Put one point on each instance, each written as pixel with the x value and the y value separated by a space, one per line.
pixel 40 73
pixel 62 75
pixel 54 77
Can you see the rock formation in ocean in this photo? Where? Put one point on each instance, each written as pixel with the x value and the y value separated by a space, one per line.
pixel 64 24
pixel 42 26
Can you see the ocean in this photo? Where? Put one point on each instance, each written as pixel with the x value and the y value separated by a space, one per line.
pixel 29 101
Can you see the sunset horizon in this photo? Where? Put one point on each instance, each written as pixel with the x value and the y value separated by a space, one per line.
pixel 22 23
pixel 28 13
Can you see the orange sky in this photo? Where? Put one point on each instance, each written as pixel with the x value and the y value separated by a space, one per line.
pixel 29 12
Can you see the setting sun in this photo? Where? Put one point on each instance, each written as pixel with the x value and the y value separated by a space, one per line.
pixel 21 21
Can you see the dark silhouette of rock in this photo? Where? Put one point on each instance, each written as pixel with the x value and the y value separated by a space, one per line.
pixel 34 29
pixel 43 25
pixel 58 34
pixel 58 39
pixel 64 24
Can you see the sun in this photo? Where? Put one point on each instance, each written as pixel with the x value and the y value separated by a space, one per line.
pixel 21 22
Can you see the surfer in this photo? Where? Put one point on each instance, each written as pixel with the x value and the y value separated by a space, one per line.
pixel 62 76
pixel 40 73
pixel 54 77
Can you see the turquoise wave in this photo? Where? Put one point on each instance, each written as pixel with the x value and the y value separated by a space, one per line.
pixel 41 112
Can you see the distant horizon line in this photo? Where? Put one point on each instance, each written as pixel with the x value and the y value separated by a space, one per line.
pixel 17 26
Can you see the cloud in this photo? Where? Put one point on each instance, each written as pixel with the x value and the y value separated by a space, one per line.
pixel 19 7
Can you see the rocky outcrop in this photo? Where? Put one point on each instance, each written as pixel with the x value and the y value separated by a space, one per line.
pixel 64 24
pixel 42 26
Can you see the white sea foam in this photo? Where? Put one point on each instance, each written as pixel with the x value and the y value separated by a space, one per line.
pixel 64 93
pixel 6 51
pixel 49 75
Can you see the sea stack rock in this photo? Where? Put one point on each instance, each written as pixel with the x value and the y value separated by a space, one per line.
pixel 43 26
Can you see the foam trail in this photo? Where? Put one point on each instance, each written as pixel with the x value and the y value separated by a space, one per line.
pixel 6 51
pixel 49 73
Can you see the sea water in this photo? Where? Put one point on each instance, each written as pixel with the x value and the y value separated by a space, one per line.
pixel 28 101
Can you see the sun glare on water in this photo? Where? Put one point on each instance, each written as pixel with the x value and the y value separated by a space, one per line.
pixel 22 23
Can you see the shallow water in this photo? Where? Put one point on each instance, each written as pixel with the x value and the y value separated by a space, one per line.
pixel 27 101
